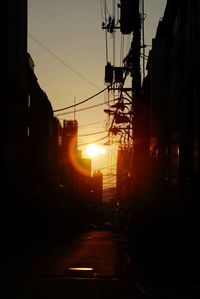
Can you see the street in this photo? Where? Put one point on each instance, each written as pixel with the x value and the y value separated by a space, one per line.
pixel 95 265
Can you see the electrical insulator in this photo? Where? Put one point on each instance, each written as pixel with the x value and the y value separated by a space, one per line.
pixel 108 73
pixel 121 118
pixel 118 74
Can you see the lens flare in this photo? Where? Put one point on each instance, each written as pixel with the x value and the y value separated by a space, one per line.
pixel 76 161
pixel 93 150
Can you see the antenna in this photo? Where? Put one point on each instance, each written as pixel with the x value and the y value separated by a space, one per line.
pixel 74 107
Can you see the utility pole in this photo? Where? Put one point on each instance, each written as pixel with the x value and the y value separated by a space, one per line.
pixel 126 113
pixel 133 20
pixel 129 114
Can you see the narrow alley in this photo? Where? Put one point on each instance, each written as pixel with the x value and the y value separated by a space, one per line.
pixel 101 149
pixel 94 265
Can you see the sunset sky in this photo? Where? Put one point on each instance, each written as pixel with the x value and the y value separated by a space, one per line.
pixel 67 44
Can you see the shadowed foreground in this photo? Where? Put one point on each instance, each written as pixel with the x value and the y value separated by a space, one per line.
pixel 103 271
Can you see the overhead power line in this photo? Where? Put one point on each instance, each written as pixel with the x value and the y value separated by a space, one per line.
pixel 82 109
pixel 84 101
pixel 90 134
pixel 94 141
pixel 109 166
pixel 91 124
pixel 62 61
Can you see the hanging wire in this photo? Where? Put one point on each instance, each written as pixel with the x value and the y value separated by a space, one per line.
pixel 61 60
pixel 91 124
pixel 94 141
pixel 113 34
pixel 104 12
pixel 121 50
pixel 82 109
pixel 90 134
pixel 86 100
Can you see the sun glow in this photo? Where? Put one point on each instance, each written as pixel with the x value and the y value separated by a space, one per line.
pixel 93 150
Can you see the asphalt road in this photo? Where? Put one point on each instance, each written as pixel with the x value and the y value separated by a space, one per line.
pixel 95 265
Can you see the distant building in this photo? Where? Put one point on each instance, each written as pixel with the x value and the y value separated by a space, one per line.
pixel 69 139
pixel 76 170
pixel 97 186
pixel 84 174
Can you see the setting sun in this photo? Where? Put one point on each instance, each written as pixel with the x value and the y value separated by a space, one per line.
pixel 93 150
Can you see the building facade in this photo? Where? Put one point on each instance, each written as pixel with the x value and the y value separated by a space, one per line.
pixel 172 90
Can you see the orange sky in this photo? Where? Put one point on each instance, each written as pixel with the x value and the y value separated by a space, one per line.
pixel 67 45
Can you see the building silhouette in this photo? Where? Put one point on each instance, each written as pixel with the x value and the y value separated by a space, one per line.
pixel 168 195
pixel 43 190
